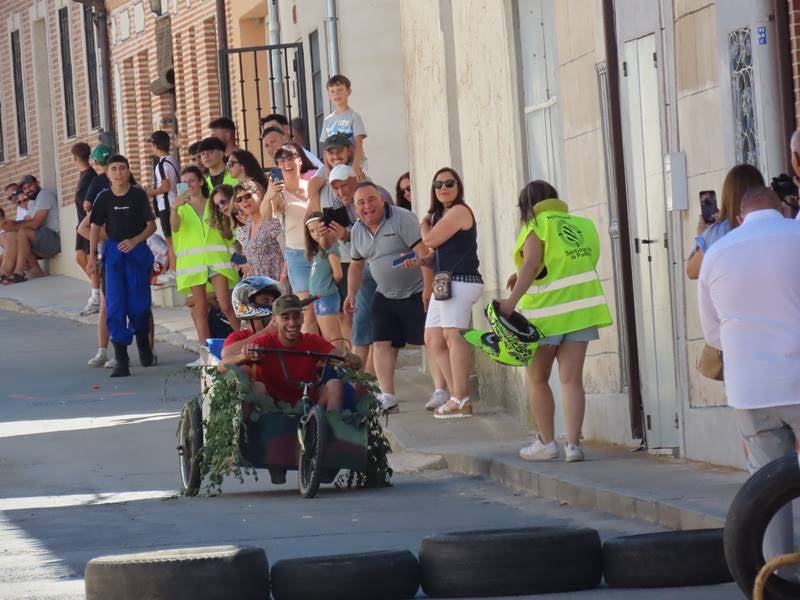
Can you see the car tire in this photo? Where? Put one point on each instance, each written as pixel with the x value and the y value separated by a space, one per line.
pixel 510 562
pixel 763 494
pixel 312 459
pixel 665 559
pixel 181 574
pixel 389 575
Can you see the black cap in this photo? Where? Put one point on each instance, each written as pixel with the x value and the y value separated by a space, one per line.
pixel 211 143
pixel 337 140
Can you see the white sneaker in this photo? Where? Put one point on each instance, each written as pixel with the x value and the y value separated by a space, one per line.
pixel 195 364
pixel 437 399
pixel 540 451
pixel 388 403
pixel 92 307
pixel 574 453
pixel 111 363
pixel 99 359
pixel 166 278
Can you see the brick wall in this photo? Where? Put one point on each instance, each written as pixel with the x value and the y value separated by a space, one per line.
pixel 22 13
pixel 794 34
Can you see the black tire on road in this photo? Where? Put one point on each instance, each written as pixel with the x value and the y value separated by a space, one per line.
pixel 181 574
pixel 769 489
pixel 390 575
pixel 190 443
pixel 665 559
pixel 312 458
pixel 510 562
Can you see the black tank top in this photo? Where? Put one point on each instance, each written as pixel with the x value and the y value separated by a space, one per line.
pixel 459 254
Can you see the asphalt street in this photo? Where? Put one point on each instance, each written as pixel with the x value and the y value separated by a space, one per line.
pixel 88 467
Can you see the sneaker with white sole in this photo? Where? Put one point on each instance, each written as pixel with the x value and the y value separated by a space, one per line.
pixel 111 363
pixel 166 278
pixel 99 359
pixel 539 451
pixel 92 307
pixel 388 403
pixel 437 399
pixel 574 453
pixel 454 409
pixel 195 364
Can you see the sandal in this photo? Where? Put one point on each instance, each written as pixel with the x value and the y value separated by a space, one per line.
pixel 14 278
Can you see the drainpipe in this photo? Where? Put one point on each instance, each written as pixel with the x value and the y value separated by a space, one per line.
pixel 276 57
pixel 620 194
pixel 222 61
pixel 332 31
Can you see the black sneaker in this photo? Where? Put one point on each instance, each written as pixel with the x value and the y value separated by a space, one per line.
pixel 146 358
pixel 121 354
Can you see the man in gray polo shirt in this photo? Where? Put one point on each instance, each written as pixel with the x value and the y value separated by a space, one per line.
pixel 382 234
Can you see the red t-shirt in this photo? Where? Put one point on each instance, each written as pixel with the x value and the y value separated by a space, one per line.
pixel 237 336
pixel 300 368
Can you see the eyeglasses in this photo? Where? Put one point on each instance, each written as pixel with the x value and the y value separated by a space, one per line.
pixel 448 183
pixel 405 190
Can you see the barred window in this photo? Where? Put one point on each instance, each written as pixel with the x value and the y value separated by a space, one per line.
pixel 91 66
pixel 316 87
pixel 19 94
pixel 66 71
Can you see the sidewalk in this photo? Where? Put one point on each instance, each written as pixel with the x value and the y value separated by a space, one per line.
pixel 675 493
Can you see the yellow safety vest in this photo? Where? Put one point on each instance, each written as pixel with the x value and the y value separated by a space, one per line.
pixel 227 179
pixel 567 294
pixel 198 248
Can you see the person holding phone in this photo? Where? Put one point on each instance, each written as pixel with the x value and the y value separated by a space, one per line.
pixel 326 273
pixel 201 242
pixel 711 227
pixel 287 198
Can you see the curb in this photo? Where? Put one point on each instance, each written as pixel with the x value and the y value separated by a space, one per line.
pixel 163 335
pixel 565 491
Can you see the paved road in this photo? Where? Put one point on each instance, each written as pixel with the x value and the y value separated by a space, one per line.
pixel 88 467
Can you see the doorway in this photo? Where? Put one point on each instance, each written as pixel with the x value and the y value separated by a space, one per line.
pixel 649 235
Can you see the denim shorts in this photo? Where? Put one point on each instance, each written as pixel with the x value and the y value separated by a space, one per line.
pixel 299 269
pixel 363 334
pixel 329 304
pixel 582 335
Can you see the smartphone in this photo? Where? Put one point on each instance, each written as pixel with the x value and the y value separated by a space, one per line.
pixel 708 206
pixel 397 262
pixel 238 259
pixel 339 215
pixel 276 174
pixel 182 188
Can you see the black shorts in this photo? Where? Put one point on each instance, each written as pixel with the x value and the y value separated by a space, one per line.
pixel 399 321
pixel 81 243
pixel 342 285
pixel 163 216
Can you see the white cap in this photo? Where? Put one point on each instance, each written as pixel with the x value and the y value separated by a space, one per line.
pixel 341 173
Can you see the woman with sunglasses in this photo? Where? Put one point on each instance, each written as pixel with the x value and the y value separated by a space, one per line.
pixel 201 241
pixel 449 230
pixel 259 235
pixel 402 191
pixel 288 199
pixel 244 166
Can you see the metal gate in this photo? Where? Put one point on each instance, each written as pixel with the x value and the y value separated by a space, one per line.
pixel 260 80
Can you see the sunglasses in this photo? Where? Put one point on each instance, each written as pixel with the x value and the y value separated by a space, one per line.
pixel 449 183
pixel 405 190
pixel 221 202
pixel 233 162
pixel 244 197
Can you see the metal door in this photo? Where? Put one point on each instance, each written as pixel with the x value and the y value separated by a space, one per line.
pixel 260 80
pixel 649 228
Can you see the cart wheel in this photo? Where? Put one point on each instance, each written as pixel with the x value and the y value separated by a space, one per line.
pixel 190 442
pixel 311 459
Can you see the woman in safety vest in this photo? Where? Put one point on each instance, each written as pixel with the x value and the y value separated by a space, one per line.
pixel 556 288
pixel 201 248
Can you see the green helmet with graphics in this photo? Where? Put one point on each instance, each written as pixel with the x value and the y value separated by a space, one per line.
pixel 495 348
pixel 519 336
pixel 243 297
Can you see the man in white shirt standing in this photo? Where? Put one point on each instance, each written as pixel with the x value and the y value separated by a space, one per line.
pixel 166 175
pixel 749 300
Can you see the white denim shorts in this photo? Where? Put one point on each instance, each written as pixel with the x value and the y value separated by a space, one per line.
pixel 457 311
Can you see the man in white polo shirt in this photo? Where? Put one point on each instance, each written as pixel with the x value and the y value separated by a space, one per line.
pixel 749 298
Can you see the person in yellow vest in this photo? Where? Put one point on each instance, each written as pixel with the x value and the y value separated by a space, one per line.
pixel 212 157
pixel 557 289
pixel 201 242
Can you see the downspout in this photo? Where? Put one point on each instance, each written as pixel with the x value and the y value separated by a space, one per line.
pixel 332 31
pixel 275 58
pixel 222 60
pixel 620 193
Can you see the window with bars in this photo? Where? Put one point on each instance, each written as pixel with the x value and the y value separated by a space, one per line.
pixel 91 66
pixel 19 94
pixel 316 85
pixel 740 56
pixel 66 71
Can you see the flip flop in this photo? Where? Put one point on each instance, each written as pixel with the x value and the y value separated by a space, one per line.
pixel 14 278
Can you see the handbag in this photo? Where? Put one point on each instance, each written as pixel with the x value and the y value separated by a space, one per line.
pixel 711 364
pixel 442 284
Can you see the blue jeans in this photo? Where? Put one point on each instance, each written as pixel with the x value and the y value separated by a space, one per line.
pixel 363 333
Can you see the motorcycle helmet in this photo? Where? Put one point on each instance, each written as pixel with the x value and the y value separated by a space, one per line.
pixel 244 293
pixel 495 348
pixel 519 336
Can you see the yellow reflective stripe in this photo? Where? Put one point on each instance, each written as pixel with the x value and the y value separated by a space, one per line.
pixel 566 307
pixel 202 250
pixel 560 284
